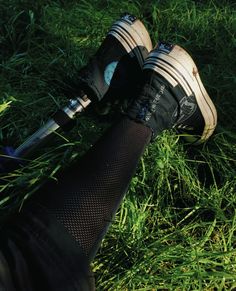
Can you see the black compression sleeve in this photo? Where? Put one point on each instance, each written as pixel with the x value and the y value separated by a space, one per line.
pixel 86 196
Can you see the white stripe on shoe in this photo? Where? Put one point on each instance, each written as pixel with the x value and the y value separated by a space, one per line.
pixel 133 36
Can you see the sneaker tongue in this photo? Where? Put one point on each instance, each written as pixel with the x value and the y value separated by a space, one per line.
pixel 156 104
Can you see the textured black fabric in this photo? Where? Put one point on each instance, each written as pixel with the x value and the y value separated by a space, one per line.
pixel 86 196
pixel 50 246
pixel 37 254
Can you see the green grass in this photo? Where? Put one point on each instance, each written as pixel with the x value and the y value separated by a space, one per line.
pixel 176 229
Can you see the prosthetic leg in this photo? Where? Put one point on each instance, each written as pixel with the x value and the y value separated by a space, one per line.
pixel 115 70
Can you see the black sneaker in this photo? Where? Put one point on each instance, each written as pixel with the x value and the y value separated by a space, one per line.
pixel 174 96
pixel 116 68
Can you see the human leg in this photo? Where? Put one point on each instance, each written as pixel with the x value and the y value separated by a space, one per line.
pixel 87 195
pixel 90 193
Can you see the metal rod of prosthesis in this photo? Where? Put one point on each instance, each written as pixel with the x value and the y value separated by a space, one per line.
pixel 74 107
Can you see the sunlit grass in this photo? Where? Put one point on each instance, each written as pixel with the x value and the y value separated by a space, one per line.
pixel 176 227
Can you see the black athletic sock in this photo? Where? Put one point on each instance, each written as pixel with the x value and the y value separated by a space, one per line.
pixel 87 195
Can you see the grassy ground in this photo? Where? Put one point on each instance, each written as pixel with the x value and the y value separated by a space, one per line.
pixel 176 227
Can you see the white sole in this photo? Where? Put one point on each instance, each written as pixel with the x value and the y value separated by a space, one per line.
pixel 133 35
pixel 177 67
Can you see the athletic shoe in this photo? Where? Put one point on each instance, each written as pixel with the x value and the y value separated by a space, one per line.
pixel 117 66
pixel 174 96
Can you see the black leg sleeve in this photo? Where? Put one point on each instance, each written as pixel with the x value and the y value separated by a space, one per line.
pixel 50 243
pixel 86 196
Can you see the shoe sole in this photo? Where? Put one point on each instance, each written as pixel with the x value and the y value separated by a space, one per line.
pixel 134 37
pixel 178 68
